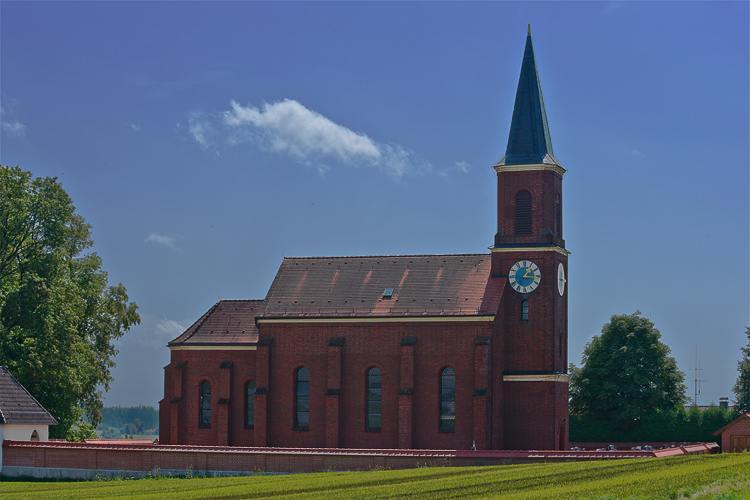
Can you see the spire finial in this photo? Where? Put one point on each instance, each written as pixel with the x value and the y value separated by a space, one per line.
pixel 529 32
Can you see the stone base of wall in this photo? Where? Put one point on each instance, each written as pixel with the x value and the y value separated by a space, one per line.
pixel 89 461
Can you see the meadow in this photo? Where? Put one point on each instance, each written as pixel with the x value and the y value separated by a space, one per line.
pixel 725 476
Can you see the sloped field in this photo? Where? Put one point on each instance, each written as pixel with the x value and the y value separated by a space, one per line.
pixel 724 476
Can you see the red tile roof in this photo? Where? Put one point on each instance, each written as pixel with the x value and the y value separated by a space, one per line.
pixel 733 423
pixel 422 285
pixel 17 406
pixel 227 322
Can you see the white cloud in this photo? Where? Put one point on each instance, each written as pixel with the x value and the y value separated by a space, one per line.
pixel 161 239
pixel 133 127
pixel 10 125
pixel 293 129
pixel 461 167
pixel 170 328
pixel 15 129
pixel 200 129
pixel 153 332
pixel 636 154
pixel 289 128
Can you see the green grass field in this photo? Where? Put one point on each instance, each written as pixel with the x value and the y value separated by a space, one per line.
pixel 724 476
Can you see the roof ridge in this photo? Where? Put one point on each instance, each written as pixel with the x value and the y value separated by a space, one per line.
pixel 389 256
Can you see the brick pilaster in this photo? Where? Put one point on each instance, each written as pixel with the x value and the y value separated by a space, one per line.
pixel 406 389
pixel 332 391
pixel 223 406
pixel 480 410
pixel 262 367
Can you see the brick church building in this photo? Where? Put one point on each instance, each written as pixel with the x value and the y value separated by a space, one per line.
pixel 405 351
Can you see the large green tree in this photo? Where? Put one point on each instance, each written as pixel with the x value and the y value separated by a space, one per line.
pixel 58 315
pixel 741 389
pixel 627 375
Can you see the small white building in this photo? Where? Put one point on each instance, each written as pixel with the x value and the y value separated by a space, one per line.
pixel 22 418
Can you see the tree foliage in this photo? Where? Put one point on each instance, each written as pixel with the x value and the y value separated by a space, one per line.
pixel 118 416
pixel 626 374
pixel 741 388
pixel 58 315
pixel 676 426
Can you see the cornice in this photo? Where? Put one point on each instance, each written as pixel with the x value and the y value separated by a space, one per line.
pixel 212 347
pixel 526 168
pixel 385 319
pixel 559 250
pixel 555 377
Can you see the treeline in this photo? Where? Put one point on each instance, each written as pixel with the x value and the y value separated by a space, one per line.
pixel 680 426
pixel 119 420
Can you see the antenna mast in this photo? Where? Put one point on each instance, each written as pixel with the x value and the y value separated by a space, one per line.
pixel 697 379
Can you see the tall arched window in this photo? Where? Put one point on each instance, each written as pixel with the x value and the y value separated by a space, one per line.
pixel 302 399
pixel 523 213
pixel 558 217
pixel 250 404
pixel 524 310
pixel 373 400
pixel 204 419
pixel 447 400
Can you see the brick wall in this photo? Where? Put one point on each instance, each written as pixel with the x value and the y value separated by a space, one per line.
pixel 84 460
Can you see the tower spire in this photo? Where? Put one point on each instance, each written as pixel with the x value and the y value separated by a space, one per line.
pixel 529 142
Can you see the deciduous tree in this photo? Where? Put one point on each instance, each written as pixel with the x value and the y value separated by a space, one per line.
pixel 741 388
pixel 58 315
pixel 626 374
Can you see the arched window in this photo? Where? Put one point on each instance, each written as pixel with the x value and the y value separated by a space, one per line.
pixel 302 399
pixel 250 404
pixel 558 217
pixel 35 436
pixel 523 213
pixel 447 400
pixel 373 400
pixel 524 310
pixel 204 420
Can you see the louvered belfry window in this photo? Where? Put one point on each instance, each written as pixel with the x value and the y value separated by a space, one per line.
pixel 374 385
pixel 523 213
pixel 558 217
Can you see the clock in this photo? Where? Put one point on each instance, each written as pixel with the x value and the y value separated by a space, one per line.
pixel 561 279
pixel 524 276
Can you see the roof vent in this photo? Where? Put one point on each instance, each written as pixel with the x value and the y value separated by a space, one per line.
pixel 388 293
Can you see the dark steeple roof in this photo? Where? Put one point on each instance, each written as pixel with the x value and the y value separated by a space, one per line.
pixel 529 142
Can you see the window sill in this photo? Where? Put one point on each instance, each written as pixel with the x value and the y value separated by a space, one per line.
pixel 301 428
pixel 372 429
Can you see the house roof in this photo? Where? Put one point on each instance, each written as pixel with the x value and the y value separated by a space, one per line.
pixel 227 322
pixel 733 423
pixel 529 141
pixel 384 286
pixel 17 406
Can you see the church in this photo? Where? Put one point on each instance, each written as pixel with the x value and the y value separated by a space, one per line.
pixel 405 351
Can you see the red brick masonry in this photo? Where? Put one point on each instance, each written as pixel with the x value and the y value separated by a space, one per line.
pixel 86 460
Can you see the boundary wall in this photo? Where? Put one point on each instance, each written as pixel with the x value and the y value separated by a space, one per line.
pixel 90 461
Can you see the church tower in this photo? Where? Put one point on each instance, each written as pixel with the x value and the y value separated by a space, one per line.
pixel 529 251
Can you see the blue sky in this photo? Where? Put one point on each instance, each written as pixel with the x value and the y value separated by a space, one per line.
pixel 205 141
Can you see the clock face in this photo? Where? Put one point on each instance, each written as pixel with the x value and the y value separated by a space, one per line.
pixel 561 279
pixel 524 276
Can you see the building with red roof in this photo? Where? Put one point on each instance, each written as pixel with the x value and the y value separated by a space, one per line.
pixel 735 436
pixel 405 351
